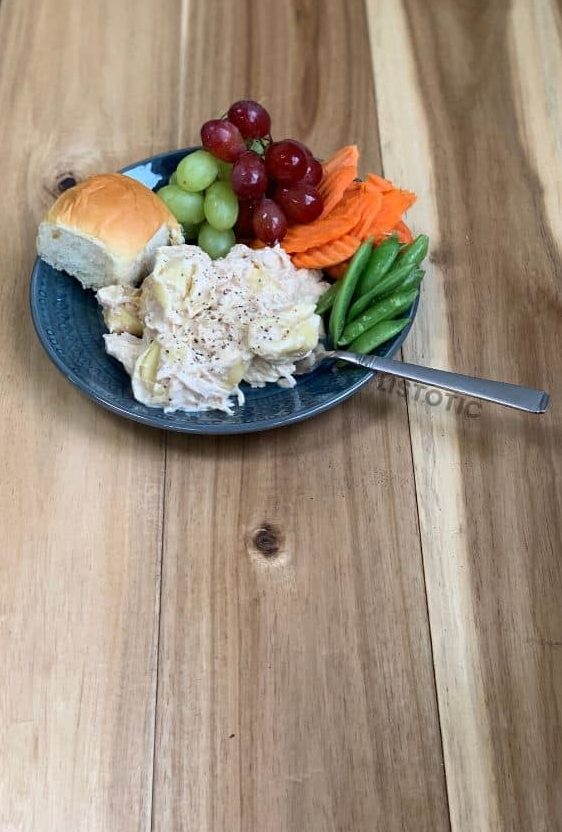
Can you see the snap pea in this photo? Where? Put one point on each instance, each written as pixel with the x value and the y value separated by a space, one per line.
pixel 326 301
pixel 348 284
pixel 414 252
pixel 412 281
pixel 379 264
pixel 377 335
pixel 384 310
pixel 392 281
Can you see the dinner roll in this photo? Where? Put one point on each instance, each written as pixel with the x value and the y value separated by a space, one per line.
pixel 106 230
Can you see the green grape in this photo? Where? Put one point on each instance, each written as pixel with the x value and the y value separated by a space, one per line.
pixel 173 180
pixel 225 169
pixel 215 243
pixel 191 230
pixel 184 205
pixel 197 170
pixel 221 206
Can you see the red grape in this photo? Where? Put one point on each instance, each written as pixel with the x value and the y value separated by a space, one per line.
pixel 251 118
pixel 314 172
pixel 301 202
pixel 304 147
pixel 248 177
pixel 244 228
pixel 222 139
pixel 286 161
pixel 270 223
pixel 271 188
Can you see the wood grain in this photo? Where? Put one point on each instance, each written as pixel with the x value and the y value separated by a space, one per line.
pixel 474 83
pixel 295 679
pixel 296 639
pixel 81 491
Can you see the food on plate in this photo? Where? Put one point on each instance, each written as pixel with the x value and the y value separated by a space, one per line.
pixel 197 171
pixel 106 230
pixel 389 283
pixel 353 211
pixel 345 294
pixel 384 310
pixel 301 202
pixel 271 183
pixel 247 300
pixel 327 300
pixel 269 221
pixel 403 233
pixel 380 283
pixel 321 213
pixel 379 263
pixel 220 206
pixel 414 253
pixel 214 242
pixel 339 172
pixel 251 118
pixel 223 139
pixel 187 207
pixel 121 309
pixel 377 335
pixel 209 325
pixel 249 176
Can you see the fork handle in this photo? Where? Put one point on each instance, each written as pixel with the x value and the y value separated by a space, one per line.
pixel 509 395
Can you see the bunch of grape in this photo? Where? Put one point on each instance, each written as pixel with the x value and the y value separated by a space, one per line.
pixel 253 186
pixel 200 196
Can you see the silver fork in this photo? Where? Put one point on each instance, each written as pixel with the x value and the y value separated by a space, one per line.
pixel 500 392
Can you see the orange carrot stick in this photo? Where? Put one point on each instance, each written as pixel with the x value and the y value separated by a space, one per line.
pixel 403 232
pixel 394 204
pixel 339 171
pixel 344 157
pixel 382 184
pixel 371 205
pixel 327 255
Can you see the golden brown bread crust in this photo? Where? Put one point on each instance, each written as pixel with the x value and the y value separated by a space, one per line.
pixel 115 209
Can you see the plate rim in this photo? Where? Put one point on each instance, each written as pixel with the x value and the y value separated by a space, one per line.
pixel 226 428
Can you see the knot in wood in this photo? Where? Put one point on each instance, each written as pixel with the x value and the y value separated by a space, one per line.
pixel 65 181
pixel 267 540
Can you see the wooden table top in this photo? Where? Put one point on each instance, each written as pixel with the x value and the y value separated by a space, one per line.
pixel 388 656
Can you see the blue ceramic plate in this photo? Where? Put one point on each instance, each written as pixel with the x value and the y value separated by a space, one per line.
pixel 70 326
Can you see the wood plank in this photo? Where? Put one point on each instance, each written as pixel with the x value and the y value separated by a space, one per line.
pixel 295 680
pixel 81 492
pixel 470 118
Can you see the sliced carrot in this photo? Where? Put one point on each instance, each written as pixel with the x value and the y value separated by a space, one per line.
pixel 327 255
pixel 403 232
pixel 347 156
pixel 370 206
pixel 338 173
pixel 334 185
pixel 394 203
pixel 338 271
pixel 338 222
pixel 382 184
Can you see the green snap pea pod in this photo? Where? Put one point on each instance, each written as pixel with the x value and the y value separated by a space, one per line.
pixel 392 281
pixel 348 284
pixel 326 301
pixel 379 264
pixel 384 310
pixel 412 281
pixel 414 252
pixel 377 335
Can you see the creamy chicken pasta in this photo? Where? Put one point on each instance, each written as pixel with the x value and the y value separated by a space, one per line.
pixel 197 327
